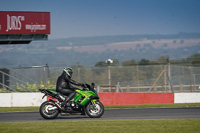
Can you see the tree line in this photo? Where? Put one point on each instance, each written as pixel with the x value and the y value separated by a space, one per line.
pixel 193 60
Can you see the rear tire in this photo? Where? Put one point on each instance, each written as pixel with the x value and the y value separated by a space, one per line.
pixel 94 111
pixel 46 113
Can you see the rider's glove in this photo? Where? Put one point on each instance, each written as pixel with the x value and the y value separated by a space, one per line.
pixel 82 84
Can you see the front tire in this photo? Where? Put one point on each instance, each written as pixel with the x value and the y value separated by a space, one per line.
pixel 95 111
pixel 46 112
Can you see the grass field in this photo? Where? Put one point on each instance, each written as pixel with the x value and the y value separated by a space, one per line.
pixel 105 126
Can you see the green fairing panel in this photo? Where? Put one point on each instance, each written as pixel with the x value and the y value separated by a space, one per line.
pixel 54 91
pixel 86 95
pixel 78 96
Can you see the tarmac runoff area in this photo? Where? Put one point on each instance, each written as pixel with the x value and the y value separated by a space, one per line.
pixel 110 114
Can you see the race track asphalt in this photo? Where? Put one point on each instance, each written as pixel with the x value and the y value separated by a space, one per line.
pixel 109 114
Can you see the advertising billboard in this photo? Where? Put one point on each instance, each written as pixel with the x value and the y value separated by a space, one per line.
pixel 24 22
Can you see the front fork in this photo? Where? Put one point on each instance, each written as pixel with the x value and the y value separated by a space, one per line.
pixel 93 101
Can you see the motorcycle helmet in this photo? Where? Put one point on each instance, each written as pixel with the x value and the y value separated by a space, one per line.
pixel 68 71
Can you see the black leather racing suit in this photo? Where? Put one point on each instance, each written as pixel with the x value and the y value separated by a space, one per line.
pixel 64 86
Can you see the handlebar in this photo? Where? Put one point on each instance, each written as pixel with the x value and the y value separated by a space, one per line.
pixel 86 86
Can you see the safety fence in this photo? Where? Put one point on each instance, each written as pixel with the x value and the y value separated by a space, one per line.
pixel 158 78
pixel 154 88
pixel 26 79
pixel 151 78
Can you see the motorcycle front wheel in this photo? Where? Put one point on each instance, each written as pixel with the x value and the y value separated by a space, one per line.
pixel 48 110
pixel 95 111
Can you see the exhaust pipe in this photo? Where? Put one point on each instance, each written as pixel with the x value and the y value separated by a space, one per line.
pixel 52 108
pixel 57 106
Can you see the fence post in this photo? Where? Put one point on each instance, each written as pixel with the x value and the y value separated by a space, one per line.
pixel 155 88
pixel 181 87
pixel 169 75
pixel 117 87
pixel 128 88
pixel 3 78
pixel 98 88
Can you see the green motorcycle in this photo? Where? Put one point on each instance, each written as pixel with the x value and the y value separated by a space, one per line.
pixel 85 101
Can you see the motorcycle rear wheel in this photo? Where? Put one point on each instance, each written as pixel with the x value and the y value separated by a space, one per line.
pixel 45 111
pixel 95 111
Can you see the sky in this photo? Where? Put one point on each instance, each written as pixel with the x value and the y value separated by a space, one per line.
pixel 83 18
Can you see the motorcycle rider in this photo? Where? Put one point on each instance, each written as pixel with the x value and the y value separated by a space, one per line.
pixel 64 84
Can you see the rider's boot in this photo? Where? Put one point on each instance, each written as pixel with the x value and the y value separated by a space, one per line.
pixel 67 99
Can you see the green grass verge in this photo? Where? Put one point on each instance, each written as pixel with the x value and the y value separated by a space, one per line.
pixel 10 109
pixel 103 126
pixel 154 105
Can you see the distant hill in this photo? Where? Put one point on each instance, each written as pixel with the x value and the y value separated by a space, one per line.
pixel 88 51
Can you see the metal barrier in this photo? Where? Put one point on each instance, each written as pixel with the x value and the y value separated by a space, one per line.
pixel 156 89
pixel 19 79
pixel 158 78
